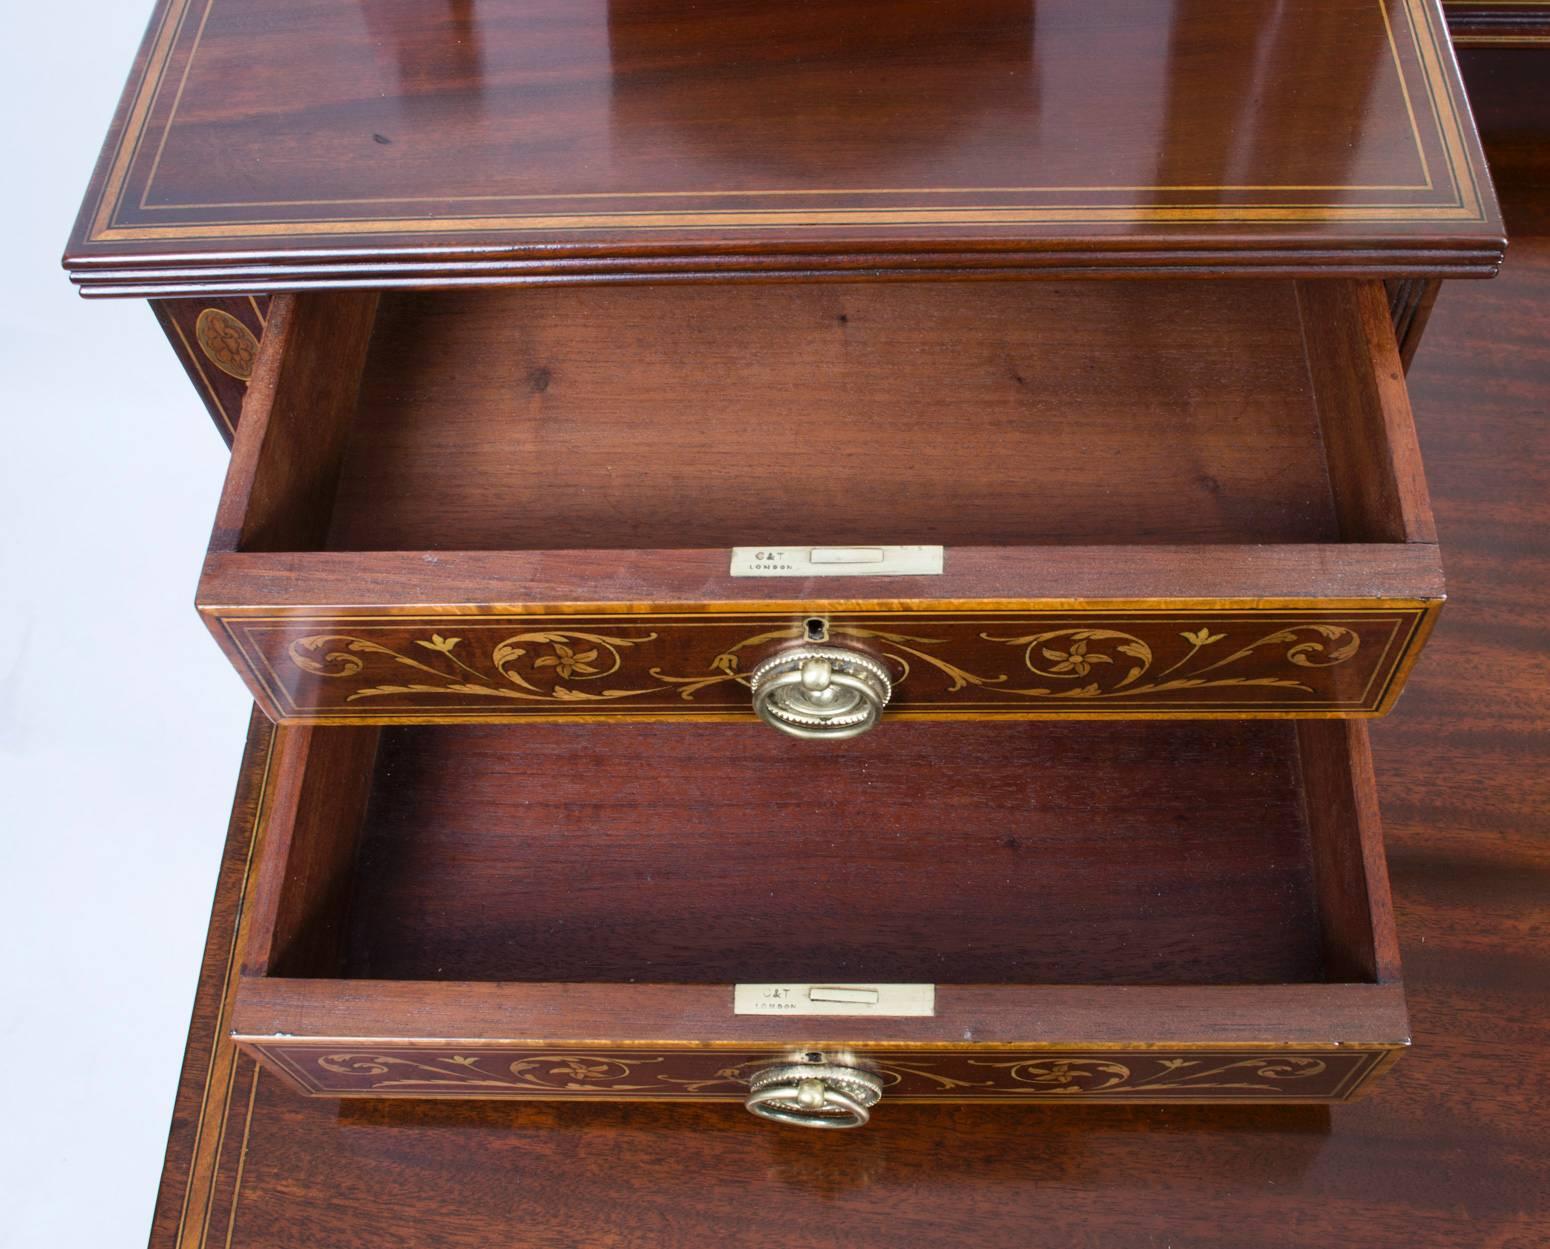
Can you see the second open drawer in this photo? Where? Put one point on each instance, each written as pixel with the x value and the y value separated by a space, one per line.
pixel 1127 911
pixel 1152 499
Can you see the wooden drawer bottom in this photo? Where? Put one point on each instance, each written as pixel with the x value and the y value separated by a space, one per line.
pixel 1127 911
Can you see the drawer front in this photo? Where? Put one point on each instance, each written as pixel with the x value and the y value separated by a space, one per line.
pixel 338 1069
pixel 1093 662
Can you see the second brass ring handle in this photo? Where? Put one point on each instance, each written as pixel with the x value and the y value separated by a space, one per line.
pixel 814 1095
pixel 820 692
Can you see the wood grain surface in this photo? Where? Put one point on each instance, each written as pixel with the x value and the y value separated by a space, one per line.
pixel 1448 1152
pixel 453 142
pixel 965 414
pixel 972 854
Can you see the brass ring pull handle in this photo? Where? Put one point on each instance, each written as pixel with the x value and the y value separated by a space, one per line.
pixel 814 1095
pixel 821 692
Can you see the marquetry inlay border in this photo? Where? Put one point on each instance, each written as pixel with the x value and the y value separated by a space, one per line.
pixel 1411 29
pixel 1092 662
pixel 344 1068
pixel 230 1086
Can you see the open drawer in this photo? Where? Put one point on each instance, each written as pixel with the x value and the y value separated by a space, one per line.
pixel 1131 910
pixel 1152 499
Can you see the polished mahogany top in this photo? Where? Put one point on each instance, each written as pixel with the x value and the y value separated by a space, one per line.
pixel 427 142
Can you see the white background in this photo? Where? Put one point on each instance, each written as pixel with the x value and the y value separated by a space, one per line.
pixel 121 725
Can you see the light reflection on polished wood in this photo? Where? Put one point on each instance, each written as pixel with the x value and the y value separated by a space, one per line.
pixel 641 138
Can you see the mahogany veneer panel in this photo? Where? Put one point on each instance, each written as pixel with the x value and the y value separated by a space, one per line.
pixel 323 142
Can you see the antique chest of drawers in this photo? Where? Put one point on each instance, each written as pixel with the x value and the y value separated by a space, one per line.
pixel 602 379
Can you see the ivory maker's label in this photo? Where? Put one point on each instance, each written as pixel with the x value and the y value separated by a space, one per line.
pixel 834 999
pixel 836 561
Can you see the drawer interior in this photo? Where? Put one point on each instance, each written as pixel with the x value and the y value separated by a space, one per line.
pixel 1191 855
pixel 977 414
pixel 955 853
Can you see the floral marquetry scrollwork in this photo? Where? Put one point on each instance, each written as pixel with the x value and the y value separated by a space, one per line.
pixel 695 1073
pixel 532 666
pixel 607 1073
pixel 1085 1076
pixel 541 1073
pixel 1119 661
pixel 688 663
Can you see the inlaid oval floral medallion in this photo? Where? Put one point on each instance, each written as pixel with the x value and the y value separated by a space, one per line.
pixel 226 342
